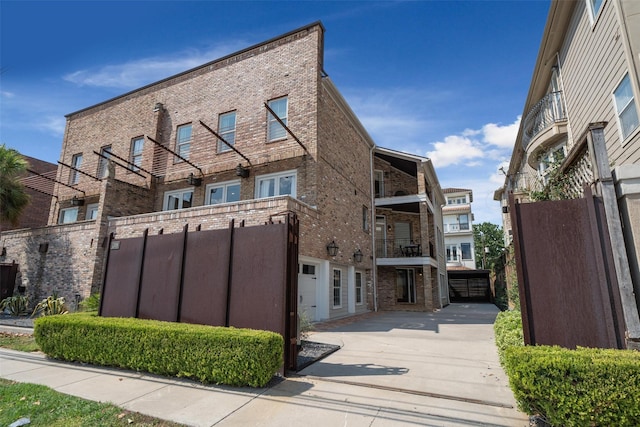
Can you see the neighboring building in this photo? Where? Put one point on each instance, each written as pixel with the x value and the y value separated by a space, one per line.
pixel 467 282
pixel 40 191
pixel 411 273
pixel 587 72
pixel 458 229
pixel 247 137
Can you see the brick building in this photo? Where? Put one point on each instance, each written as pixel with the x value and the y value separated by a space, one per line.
pixel 247 137
pixel 39 189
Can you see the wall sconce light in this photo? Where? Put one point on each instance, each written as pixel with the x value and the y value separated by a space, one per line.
pixel 4 252
pixel 241 171
pixel 157 107
pixel 505 209
pixel 192 180
pixel 77 202
pixel 43 248
pixel 357 256
pixel 388 227
pixel 332 248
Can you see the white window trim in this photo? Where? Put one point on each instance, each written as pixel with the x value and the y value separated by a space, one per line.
pixel 74 176
pixel 285 119
pixel 362 287
pixel 179 143
pixel 91 207
pixel 277 175
pixel 593 14
pixel 222 147
pixel 333 288
pixel 63 211
pixel 224 185
pixel 624 139
pixel 103 163
pixel 180 192
pixel 133 155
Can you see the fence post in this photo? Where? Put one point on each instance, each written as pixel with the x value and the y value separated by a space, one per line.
pixel 597 146
pixel 229 274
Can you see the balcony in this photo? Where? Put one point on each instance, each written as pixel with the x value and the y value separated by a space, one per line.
pixel 403 248
pixel 462 227
pixel 545 124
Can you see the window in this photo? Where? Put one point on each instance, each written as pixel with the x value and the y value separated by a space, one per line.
pixel 465 248
pixel 183 141
pixel 463 220
pixel 405 286
pixel 452 253
pixel 74 175
pixel 68 215
pixel 594 8
pixel 180 199
pixel 224 192
pixel 337 288
pixel 359 295
pixel 309 269
pixel 275 130
pixel 227 130
pixel 137 144
pixel 365 218
pixel 277 184
pixel 103 163
pixel 626 107
pixel 457 200
pixel 550 160
pixel 379 183
pixel 92 211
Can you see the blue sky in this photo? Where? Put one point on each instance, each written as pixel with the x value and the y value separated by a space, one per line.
pixel 442 79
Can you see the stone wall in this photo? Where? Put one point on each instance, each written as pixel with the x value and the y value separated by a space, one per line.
pixel 56 259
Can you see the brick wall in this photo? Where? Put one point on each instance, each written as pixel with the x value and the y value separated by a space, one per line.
pixel 36 212
pixel 241 83
pixel 65 267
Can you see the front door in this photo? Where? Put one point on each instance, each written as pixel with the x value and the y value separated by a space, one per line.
pixel 307 291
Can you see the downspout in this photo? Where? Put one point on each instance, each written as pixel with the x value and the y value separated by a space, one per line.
pixel 374 269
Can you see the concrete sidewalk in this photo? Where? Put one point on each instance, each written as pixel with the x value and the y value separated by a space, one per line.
pixel 394 369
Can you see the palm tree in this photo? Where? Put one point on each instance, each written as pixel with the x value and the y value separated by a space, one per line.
pixel 13 198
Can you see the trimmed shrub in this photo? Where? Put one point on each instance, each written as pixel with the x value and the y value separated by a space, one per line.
pixel 508 331
pixel 582 387
pixel 233 356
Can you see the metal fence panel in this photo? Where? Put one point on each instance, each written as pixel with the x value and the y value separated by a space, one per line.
pixel 204 289
pixel 565 290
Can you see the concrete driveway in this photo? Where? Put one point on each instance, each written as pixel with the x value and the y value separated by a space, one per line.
pixel 399 368
pixel 394 369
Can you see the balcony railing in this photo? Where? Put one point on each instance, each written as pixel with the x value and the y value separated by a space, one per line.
pixel 400 248
pixel 454 228
pixel 545 113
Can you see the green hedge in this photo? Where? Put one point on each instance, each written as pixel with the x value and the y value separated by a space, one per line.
pixel 508 331
pixel 582 387
pixel 237 357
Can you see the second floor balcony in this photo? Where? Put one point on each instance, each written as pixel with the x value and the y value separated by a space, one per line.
pixel 403 248
pixel 459 227
pixel 544 123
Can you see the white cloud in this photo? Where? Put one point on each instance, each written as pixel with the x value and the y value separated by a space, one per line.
pixel 455 150
pixel 6 94
pixel 53 125
pixel 502 136
pixel 143 71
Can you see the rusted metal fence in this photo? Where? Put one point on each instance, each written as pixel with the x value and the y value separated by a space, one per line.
pixel 568 288
pixel 244 277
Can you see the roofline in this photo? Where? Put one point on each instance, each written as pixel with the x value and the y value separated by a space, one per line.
pixel 346 109
pixel 560 13
pixel 400 154
pixel 208 64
